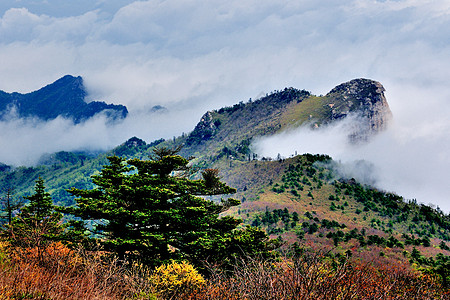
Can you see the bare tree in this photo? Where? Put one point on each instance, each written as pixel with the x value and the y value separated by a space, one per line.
pixel 9 204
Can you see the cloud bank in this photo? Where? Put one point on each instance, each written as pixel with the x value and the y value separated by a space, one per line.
pixel 193 56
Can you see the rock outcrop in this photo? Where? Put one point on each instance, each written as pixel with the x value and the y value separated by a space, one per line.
pixel 204 130
pixel 365 99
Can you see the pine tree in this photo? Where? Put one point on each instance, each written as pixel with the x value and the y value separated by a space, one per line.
pixel 40 205
pixel 150 210
pixel 37 224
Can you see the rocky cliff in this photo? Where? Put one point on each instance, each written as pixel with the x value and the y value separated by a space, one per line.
pixel 365 99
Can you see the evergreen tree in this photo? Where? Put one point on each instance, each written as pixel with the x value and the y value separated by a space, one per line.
pixel 40 205
pixel 37 224
pixel 150 210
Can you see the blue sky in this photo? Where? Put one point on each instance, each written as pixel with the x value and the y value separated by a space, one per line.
pixel 191 56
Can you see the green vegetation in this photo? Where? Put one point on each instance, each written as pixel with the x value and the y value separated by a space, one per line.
pixel 62 171
pixel 420 219
pixel 149 210
pixel 38 215
pixel 338 213
pixel 272 220
pixel 37 224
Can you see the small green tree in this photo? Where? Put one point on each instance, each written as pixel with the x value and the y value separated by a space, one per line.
pixel 150 210
pixel 37 223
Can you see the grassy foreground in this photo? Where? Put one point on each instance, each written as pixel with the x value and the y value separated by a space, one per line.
pixel 57 272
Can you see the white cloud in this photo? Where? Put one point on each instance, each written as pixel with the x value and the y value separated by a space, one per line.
pixel 18 24
pixel 200 55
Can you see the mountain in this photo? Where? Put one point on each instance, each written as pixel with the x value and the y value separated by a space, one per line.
pixel 65 98
pixel 303 199
pixel 230 130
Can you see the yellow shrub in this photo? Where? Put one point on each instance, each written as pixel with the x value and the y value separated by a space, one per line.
pixel 3 254
pixel 176 278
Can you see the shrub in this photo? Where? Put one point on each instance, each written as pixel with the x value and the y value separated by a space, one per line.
pixel 176 279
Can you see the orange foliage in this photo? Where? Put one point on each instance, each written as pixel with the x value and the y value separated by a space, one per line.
pixel 58 273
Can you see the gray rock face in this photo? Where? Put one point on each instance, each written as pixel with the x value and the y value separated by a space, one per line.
pixel 365 98
pixel 204 130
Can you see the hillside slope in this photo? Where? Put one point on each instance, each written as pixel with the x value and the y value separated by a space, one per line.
pixel 304 199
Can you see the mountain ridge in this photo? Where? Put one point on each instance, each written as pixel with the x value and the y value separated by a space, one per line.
pixel 234 128
pixel 65 97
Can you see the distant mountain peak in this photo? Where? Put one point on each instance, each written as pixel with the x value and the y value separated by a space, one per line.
pixel 65 97
pixel 68 80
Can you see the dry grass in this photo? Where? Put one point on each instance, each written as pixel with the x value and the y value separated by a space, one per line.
pixel 63 274
pixel 66 274
pixel 312 277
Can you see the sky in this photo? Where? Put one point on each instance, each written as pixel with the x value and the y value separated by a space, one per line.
pixel 192 56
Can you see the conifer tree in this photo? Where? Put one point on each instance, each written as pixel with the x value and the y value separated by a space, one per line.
pixel 150 210
pixel 37 224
